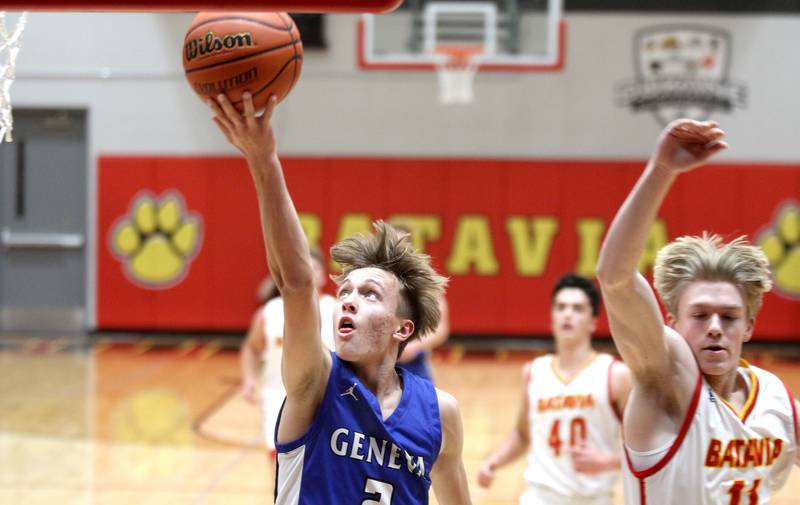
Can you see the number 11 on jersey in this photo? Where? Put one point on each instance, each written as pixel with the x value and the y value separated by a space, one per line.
pixel 738 488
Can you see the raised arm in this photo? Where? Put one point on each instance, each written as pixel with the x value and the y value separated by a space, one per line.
pixel 305 365
pixel 662 365
pixel 448 476
pixel 634 315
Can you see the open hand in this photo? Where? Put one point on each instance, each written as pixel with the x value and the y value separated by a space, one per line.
pixel 251 134
pixel 686 144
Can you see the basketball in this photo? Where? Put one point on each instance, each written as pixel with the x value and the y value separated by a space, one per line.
pixel 234 52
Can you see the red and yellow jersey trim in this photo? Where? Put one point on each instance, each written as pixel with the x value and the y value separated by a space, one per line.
pixel 752 396
pixel 566 380
pixel 687 421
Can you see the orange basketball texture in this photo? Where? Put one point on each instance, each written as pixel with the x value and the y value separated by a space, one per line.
pixel 233 52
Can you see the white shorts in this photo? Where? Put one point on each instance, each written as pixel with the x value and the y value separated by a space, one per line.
pixel 540 495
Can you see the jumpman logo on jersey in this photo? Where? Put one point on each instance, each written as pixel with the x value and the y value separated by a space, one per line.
pixel 351 392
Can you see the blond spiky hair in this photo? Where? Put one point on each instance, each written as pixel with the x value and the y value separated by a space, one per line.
pixel 391 250
pixel 710 258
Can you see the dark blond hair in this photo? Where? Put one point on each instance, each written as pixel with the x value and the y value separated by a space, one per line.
pixel 391 250
pixel 710 258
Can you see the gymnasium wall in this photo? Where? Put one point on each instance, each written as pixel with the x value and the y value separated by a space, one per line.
pixel 514 189
pixel 146 107
pixel 502 231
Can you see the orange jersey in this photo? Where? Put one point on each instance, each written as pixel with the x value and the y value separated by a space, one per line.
pixel 721 456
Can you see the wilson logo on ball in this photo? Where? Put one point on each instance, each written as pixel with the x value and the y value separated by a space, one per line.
pixel 210 44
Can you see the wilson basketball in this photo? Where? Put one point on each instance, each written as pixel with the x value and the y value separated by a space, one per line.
pixel 233 52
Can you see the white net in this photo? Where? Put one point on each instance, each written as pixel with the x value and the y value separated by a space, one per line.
pixel 456 68
pixel 9 48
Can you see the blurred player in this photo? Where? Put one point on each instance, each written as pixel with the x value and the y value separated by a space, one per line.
pixel 416 357
pixel 702 425
pixel 569 420
pixel 260 356
pixel 354 428
pixel 266 290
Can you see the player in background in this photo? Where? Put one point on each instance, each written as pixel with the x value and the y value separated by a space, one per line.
pixel 702 425
pixel 354 428
pixel 260 354
pixel 416 357
pixel 266 290
pixel 569 419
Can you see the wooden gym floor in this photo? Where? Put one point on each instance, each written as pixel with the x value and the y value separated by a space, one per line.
pixel 115 424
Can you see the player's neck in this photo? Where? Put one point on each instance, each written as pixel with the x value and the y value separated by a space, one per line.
pixel 381 378
pixel 731 387
pixel 573 357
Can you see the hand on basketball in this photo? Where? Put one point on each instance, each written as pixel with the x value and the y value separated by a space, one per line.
pixel 486 474
pixel 251 134
pixel 587 459
pixel 686 144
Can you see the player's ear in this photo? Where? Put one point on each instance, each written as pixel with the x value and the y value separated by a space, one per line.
pixel 404 330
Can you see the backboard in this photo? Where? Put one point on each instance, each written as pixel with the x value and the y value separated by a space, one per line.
pixel 516 35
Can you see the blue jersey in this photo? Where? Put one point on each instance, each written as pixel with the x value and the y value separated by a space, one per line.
pixel 350 455
pixel 420 366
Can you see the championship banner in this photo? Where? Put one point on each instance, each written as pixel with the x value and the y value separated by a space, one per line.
pixel 180 247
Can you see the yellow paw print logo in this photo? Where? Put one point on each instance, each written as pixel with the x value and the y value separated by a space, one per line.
pixel 781 243
pixel 158 240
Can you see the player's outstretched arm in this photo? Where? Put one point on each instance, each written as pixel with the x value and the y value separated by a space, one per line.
pixel 305 366
pixel 448 476
pixel 514 445
pixel 634 315
pixel 250 356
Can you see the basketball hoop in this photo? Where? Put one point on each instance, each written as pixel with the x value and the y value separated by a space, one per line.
pixel 456 67
pixel 9 47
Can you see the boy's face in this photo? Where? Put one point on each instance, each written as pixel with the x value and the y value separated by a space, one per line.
pixel 571 315
pixel 712 317
pixel 365 316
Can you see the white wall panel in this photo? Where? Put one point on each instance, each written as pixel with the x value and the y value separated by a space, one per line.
pixel 145 107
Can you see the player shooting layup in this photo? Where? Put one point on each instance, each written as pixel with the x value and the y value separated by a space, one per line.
pixel 702 426
pixel 353 429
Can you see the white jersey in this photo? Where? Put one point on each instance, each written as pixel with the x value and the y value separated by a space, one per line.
pixel 272 391
pixel 721 456
pixel 562 415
